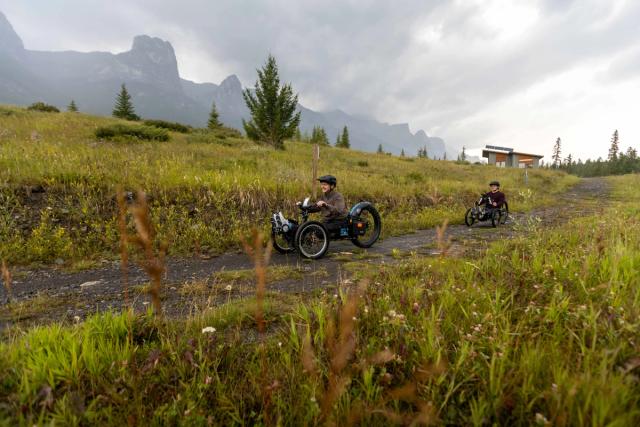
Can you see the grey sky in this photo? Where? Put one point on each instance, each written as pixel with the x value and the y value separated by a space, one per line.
pixel 505 72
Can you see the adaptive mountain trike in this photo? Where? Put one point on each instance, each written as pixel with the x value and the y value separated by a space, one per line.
pixel 311 238
pixel 482 211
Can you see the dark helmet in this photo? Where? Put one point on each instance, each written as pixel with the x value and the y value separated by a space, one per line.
pixel 494 183
pixel 329 179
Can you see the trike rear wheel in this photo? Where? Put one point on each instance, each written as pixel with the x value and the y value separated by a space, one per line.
pixel 370 218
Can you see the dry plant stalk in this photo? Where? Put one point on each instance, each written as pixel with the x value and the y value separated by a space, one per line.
pixel 6 280
pixel 341 346
pixel 443 244
pixel 152 265
pixel 435 197
pixel 124 237
pixel 260 256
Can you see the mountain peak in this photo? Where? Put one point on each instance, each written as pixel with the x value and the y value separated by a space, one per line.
pixel 157 50
pixel 9 39
pixel 231 83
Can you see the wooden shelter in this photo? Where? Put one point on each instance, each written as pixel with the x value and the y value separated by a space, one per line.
pixel 508 158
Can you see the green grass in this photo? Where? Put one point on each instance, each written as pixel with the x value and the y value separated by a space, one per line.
pixel 542 330
pixel 207 188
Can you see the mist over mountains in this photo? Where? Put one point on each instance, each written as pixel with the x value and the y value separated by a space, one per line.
pixel 150 71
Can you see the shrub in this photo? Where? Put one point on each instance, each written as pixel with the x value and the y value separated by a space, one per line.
pixel 363 163
pixel 41 106
pixel 122 131
pixel 174 126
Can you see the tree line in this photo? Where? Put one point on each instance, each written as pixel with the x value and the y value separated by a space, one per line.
pixel 273 109
pixel 618 162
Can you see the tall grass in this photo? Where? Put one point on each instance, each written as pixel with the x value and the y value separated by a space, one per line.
pixel 541 330
pixel 57 191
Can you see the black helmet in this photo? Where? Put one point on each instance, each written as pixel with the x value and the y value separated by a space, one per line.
pixel 329 179
pixel 494 183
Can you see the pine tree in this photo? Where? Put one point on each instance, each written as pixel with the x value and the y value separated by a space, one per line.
pixel 614 149
pixel 463 156
pixel 319 136
pixel 380 150
pixel 338 141
pixel 402 153
pixel 272 107
pixel 73 108
pixel 298 135
pixel 556 153
pixel 124 107
pixel 422 152
pixel 445 156
pixel 213 122
pixel 344 139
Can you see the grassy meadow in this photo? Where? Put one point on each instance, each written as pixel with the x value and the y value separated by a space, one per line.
pixel 543 329
pixel 58 185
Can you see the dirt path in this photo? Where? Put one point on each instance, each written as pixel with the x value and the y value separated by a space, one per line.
pixel 42 296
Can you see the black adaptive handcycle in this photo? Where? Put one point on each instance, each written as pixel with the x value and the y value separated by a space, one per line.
pixel 311 238
pixel 482 211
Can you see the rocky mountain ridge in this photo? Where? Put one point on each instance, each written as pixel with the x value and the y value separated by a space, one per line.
pixel 150 71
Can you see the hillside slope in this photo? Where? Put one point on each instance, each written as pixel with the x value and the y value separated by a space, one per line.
pixel 59 184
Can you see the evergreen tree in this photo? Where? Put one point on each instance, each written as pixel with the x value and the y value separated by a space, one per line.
pixel 422 152
pixel 338 141
pixel 73 108
pixel 124 107
pixel 319 136
pixel 344 139
pixel 556 153
pixel 380 150
pixel 213 122
pixel 445 156
pixel 614 149
pixel 463 156
pixel 272 107
pixel 402 153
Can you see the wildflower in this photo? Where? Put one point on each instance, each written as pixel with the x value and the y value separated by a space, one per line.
pixel 208 330
pixel 541 419
pixel 228 288
pixel 313 399
pixel 391 313
pixel 76 318
pixel 366 309
pixel 279 344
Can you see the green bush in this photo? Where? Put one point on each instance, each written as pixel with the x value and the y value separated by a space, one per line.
pixel 225 132
pixel 174 126
pixel 122 131
pixel 41 106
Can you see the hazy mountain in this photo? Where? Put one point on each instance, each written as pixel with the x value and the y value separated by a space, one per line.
pixel 150 71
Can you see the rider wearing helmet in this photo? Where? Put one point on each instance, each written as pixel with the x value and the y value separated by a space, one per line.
pixel 331 203
pixel 496 197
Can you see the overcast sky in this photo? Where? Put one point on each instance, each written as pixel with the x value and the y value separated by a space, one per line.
pixel 475 72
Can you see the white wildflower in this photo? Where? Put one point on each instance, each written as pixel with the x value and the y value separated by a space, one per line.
pixel 208 330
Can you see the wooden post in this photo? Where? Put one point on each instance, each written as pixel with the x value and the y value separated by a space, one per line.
pixel 314 169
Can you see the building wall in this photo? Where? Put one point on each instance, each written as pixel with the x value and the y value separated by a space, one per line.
pixel 492 158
